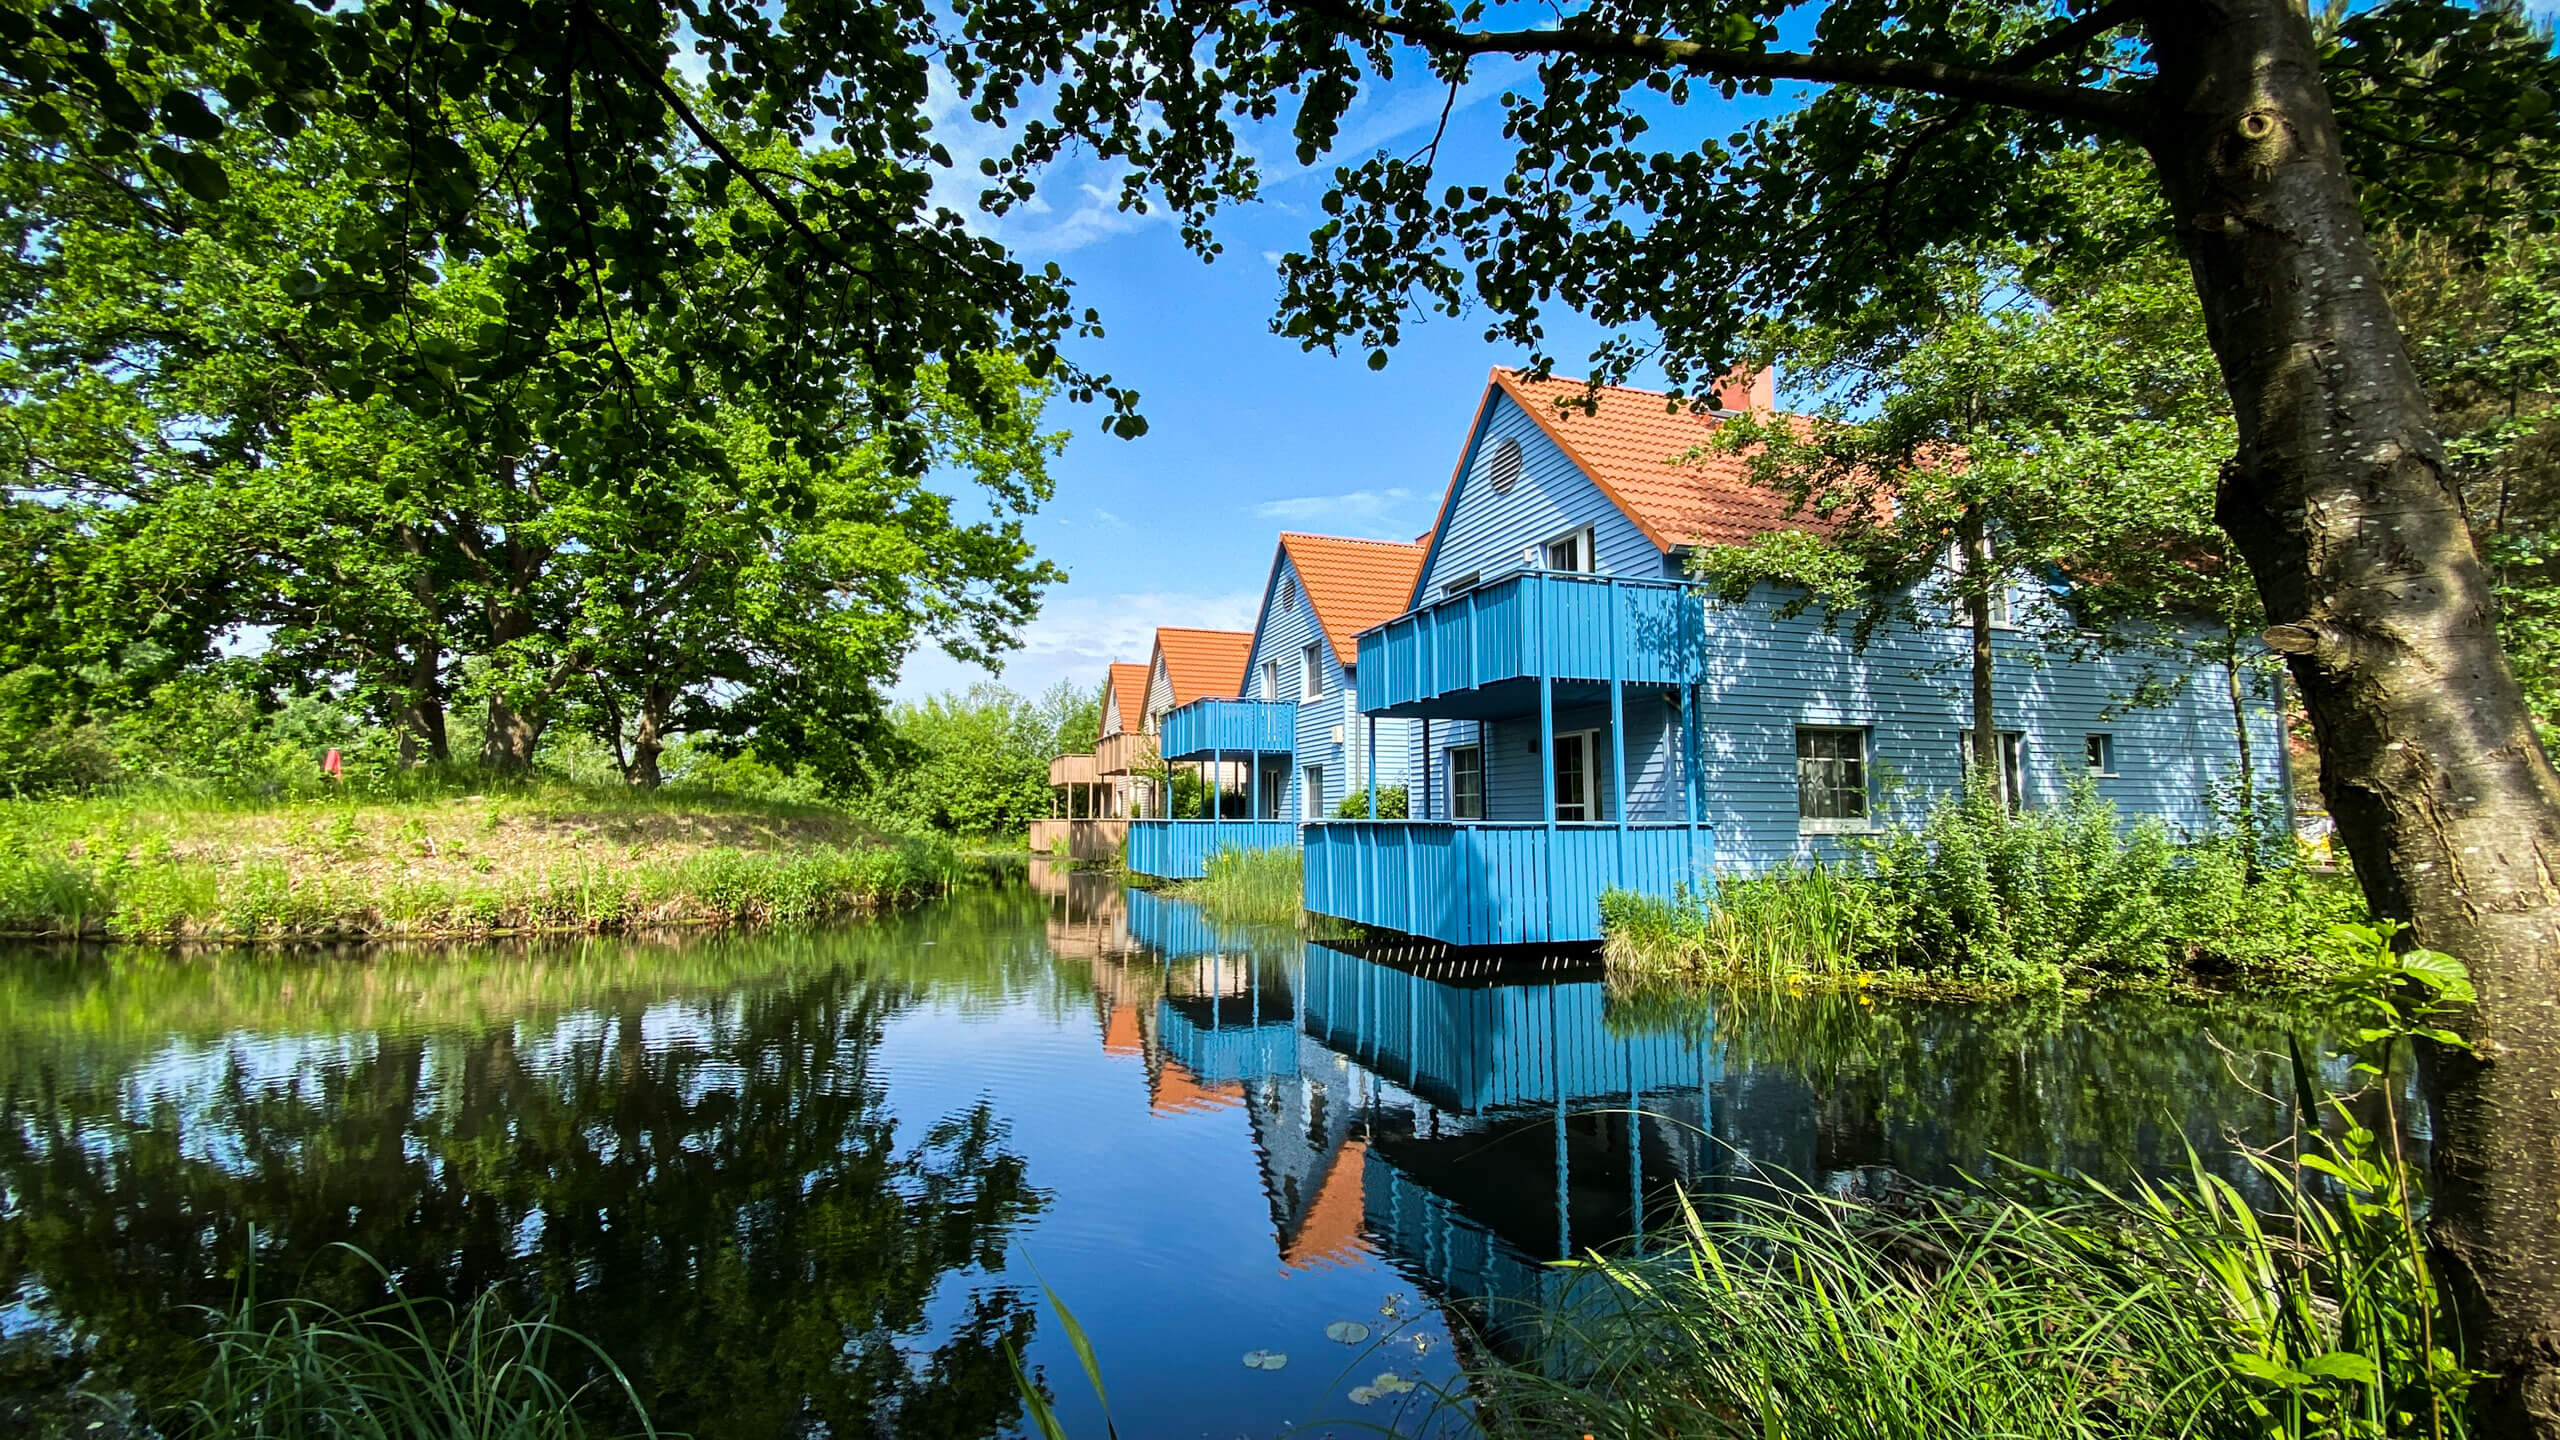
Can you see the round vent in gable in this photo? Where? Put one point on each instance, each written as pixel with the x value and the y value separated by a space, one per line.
pixel 1504 469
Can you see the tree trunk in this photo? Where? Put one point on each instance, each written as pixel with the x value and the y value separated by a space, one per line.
pixel 1977 583
pixel 2249 835
pixel 2340 499
pixel 649 741
pixel 508 741
pixel 422 728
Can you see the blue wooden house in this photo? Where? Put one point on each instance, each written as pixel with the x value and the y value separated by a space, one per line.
pixel 1579 718
pixel 1287 743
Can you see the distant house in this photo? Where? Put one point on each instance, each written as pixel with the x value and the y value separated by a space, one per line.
pixel 1581 718
pixel 1320 593
pixel 1124 747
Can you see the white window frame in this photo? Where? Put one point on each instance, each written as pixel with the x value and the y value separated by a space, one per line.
pixel 2100 748
pixel 1271 680
pixel 1311 672
pixel 1589 742
pixel 2013 765
pixel 1858 824
pixel 1475 752
pixel 2003 614
pixel 1586 556
pixel 1463 583
pixel 1310 792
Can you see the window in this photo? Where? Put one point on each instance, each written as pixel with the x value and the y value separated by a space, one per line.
pixel 1569 552
pixel 1503 470
pixel 2013 766
pixel 1310 674
pixel 1274 787
pixel 1463 583
pixel 1270 679
pixel 2102 754
pixel 2002 618
pixel 1311 793
pixel 1466 782
pixel 1573 777
pixel 1831 779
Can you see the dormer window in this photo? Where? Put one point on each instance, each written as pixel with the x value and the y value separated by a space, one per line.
pixel 1503 469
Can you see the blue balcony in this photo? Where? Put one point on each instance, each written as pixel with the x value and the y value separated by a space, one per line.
pixel 1207 729
pixel 1180 849
pixel 1479 883
pixel 1483 653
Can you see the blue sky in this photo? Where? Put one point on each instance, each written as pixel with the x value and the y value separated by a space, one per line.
pixel 1249 435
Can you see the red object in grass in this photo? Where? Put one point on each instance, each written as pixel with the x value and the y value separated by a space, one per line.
pixel 332 767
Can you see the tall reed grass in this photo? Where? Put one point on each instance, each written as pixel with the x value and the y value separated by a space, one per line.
pixel 407 1369
pixel 2062 1308
pixel 1249 887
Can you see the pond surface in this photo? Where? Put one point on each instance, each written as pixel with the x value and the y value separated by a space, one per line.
pixel 811 1184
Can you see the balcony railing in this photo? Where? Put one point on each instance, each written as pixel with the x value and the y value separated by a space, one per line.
pixel 1180 849
pixel 1477 883
pixel 1125 753
pixel 1206 728
pixel 1529 625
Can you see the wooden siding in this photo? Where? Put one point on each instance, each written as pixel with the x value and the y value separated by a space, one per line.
pixel 1911 691
pixel 1180 849
pixel 1205 728
pixel 1493 884
pixel 1081 839
pixel 1482 533
pixel 1282 633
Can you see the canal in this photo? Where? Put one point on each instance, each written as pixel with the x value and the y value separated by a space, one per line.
pixel 812 1184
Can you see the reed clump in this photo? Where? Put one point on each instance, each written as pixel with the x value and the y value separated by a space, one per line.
pixel 1249 887
pixel 407 1369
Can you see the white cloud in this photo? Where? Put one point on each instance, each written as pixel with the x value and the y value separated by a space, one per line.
pixel 1366 514
pixel 1077 636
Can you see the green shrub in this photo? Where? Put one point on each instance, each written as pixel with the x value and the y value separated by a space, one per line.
pixel 1250 887
pixel 1392 804
pixel 1978 893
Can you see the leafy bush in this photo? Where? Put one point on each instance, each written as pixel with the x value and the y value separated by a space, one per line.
pixel 1983 894
pixel 1392 804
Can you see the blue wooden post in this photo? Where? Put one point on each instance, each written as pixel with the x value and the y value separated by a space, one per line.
pixel 1253 787
pixel 1546 751
pixel 1369 762
pixel 1692 739
pixel 1617 742
pixel 1425 812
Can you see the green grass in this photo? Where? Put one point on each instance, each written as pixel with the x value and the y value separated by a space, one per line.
pixel 1249 887
pixel 404 1370
pixel 2165 1310
pixel 440 859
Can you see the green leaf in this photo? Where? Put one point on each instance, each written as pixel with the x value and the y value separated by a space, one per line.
pixel 185 113
pixel 2349 1365
pixel 2259 1367
pixel 199 174
pixel 2439 972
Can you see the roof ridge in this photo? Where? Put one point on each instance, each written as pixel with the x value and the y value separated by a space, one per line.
pixel 1349 539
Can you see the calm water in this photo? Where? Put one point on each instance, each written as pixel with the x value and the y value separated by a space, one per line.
pixel 810 1185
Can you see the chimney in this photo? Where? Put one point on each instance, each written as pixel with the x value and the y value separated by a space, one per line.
pixel 1752 390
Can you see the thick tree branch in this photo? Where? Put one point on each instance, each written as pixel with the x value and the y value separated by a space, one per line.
pixel 2074 35
pixel 1991 87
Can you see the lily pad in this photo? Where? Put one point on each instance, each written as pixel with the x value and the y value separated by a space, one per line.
pixel 1390 1383
pixel 1265 1359
pixel 1362 1394
pixel 1346 1332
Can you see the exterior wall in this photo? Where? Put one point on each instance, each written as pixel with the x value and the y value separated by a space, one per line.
pixel 1487 534
pixel 1911 691
pixel 1282 633
pixel 1159 695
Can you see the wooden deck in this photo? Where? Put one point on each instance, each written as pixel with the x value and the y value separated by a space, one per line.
pixel 1208 729
pixel 1469 654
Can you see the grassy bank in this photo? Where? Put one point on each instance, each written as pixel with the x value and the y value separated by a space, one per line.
pixel 1977 898
pixel 542 856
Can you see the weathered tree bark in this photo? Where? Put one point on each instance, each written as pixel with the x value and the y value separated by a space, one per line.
pixel 1977 581
pixel 2340 499
pixel 422 728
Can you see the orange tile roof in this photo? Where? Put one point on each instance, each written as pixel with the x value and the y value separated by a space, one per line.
pixel 1174 1090
pixel 1203 662
pixel 1353 584
pixel 1127 691
pixel 1632 444
pixel 1330 1231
